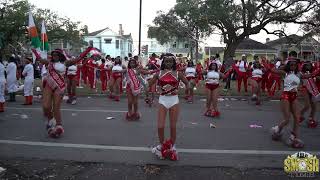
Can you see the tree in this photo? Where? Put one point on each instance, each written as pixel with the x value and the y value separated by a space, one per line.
pixel 61 28
pixel 13 15
pixel 14 22
pixel 183 22
pixel 313 28
pixel 236 20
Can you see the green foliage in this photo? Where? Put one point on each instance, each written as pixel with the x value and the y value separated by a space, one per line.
pixel 233 20
pixel 14 22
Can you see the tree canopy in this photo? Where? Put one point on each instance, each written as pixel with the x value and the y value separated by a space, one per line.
pixel 14 22
pixel 234 20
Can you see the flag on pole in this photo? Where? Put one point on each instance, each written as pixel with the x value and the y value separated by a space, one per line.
pixel 44 41
pixel 35 41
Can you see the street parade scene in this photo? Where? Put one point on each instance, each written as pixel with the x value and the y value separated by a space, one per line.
pixel 80 104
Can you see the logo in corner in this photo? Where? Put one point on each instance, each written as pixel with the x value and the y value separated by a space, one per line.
pixel 301 164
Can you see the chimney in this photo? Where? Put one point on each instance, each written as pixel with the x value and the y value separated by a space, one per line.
pixel 120 30
pixel 267 40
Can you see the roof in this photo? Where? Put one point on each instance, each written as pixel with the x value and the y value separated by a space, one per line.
pixel 213 50
pixel 97 32
pixel 291 39
pixel 246 44
pixel 296 41
pixel 253 45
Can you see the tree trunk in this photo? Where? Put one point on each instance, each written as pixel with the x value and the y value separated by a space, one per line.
pixel 229 52
pixel 191 50
pixel 197 45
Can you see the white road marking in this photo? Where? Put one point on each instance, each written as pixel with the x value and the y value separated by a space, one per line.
pixel 75 110
pixel 146 149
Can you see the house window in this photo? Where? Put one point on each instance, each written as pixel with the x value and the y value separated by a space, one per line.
pixel 186 46
pixel 117 44
pixel 174 45
pixel 65 44
pixel 107 41
pixel 121 44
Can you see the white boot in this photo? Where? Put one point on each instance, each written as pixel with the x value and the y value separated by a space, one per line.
pixel 157 151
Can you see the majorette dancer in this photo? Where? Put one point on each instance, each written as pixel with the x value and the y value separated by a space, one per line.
pixel 256 78
pixel 168 80
pixel 212 87
pixel 289 104
pixel 133 88
pixel 2 85
pixel 72 83
pixel 311 95
pixel 190 74
pixel 116 79
pixel 242 73
pixel 54 84
pixel 28 73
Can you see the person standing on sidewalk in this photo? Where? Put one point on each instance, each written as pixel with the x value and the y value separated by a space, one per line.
pixel 12 79
pixel 28 73
pixel 2 86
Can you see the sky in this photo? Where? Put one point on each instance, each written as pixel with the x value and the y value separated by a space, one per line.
pixel 99 14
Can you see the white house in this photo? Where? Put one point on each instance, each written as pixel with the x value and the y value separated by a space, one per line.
pixel 110 42
pixel 174 47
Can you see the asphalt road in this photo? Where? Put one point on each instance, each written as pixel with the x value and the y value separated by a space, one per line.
pixel 232 150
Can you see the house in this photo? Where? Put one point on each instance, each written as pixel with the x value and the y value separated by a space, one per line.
pixel 110 42
pixel 306 48
pixel 174 47
pixel 249 47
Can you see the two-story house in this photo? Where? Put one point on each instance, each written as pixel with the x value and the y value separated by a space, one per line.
pixel 110 42
pixel 174 47
pixel 306 48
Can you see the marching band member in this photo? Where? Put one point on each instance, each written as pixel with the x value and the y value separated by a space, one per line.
pixel 91 67
pixel 151 66
pixel 116 79
pixel 311 95
pixel 289 104
pixel 2 85
pixel 84 71
pixel 28 73
pixel 168 79
pixel 12 79
pixel 190 74
pixel 103 75
pixel 72 83
pixel 242 73
pixel 108 66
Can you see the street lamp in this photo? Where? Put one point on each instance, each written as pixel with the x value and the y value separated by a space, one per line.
pixel 140 28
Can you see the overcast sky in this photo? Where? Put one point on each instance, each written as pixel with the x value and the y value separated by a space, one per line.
pixel 98 14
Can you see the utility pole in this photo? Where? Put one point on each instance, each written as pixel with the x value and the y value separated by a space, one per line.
pixel 140 27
